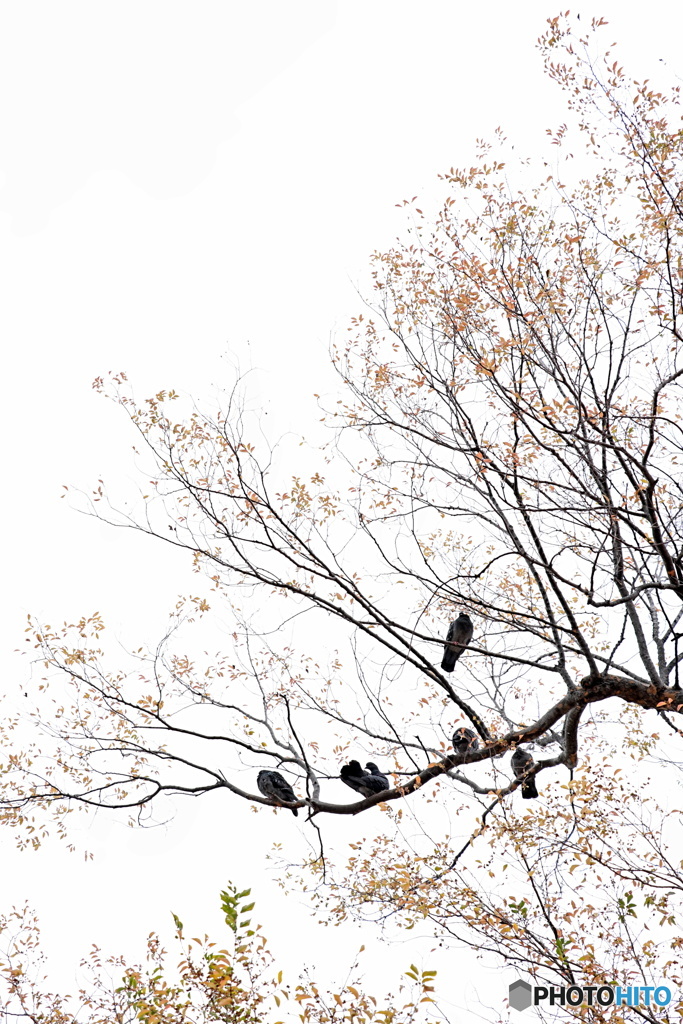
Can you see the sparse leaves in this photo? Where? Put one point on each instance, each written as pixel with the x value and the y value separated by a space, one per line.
pixel 508 440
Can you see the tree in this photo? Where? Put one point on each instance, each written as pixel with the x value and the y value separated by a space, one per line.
pixel 236 984
pixel 508 443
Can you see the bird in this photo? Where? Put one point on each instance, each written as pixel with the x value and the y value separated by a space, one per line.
pixel 365 783
pixel 273 785
pixel 522 762
pixel 377 774
pixel 457 638
pixel 465 740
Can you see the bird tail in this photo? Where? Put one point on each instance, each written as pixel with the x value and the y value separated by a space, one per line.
pixel 295 812
pixel 529 791
pixel 449 659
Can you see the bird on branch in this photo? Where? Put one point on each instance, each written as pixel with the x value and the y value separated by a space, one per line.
pixel 366 783
pixel 377 774
pixel 465 740
pixel 457 638
pixel 273 785
pixel 522 762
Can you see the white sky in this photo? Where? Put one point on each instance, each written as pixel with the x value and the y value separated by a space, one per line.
pixel 183 185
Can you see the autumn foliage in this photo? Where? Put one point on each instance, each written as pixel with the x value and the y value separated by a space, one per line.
pixel 507 441
pixel 236 982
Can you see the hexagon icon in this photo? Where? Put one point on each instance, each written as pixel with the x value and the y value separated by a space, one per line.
pixel 520 995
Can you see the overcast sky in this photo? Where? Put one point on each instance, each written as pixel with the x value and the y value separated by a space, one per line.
pixel 185 187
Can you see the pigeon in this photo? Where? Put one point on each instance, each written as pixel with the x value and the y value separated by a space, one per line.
pixel 377 774
pixel 522 762
pixel 273 785
pixel 465 740
pixel 367 784
pixel 457 638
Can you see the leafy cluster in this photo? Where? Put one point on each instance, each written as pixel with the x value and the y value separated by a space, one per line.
pixel 236 984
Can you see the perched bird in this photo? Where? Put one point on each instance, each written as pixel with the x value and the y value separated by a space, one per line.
pixel 465 740
pixel 522 762
pixel 353 775
pixel 377 774
pixel 457 638
pixel 365 783
pixel 273 785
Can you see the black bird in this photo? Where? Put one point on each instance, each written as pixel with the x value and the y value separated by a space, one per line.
pixel 522 762
pixel 457 638
pixel 377 774
pixel 464 740
pixel 272 784
pixel 367 784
